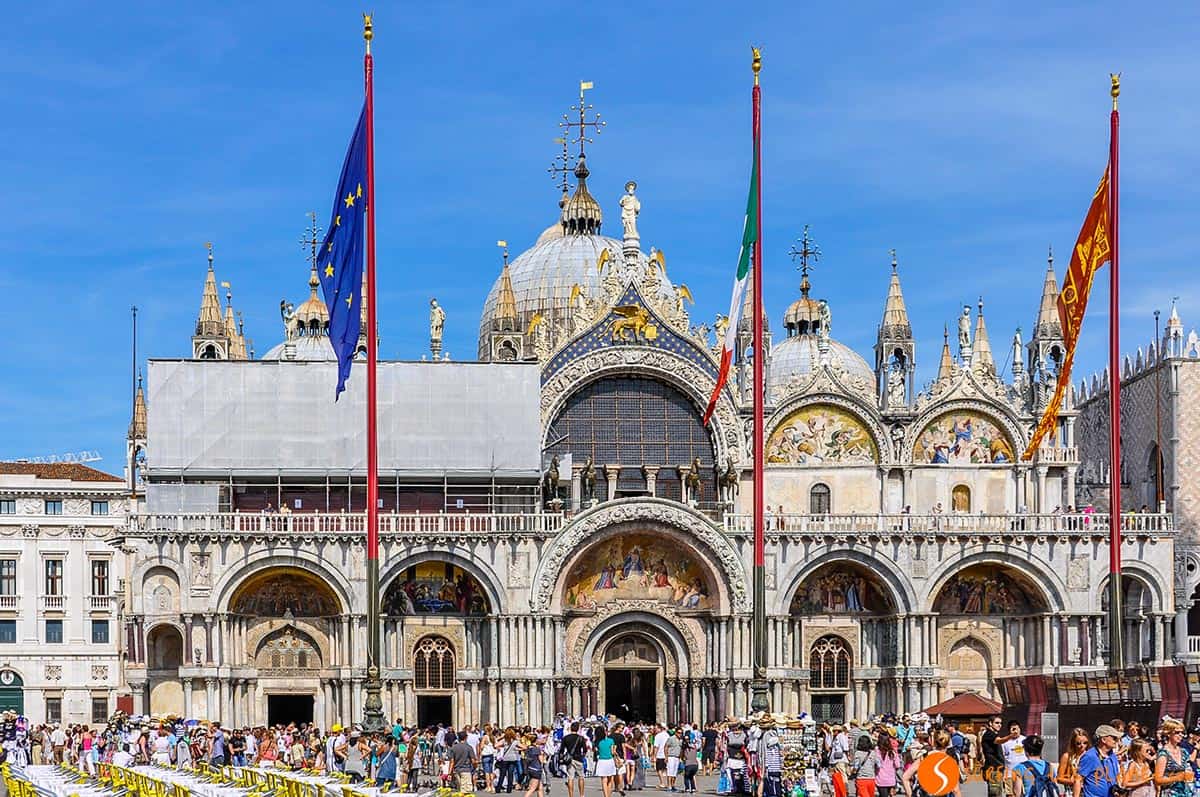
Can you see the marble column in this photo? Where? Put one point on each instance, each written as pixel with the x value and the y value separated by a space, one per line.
pixel 208 640
pixel 671 716
pixel 1182 604
pixel 651 473
pixel 188 711
pixel 611 472
pixel 210 697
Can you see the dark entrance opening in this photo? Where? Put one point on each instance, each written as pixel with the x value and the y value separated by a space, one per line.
pixel 631 694
pixel 433 710
pixel 283 709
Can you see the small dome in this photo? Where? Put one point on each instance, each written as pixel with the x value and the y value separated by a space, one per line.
pixel 313 309
pixel 799 356
pixel 311 348
pixel 800 316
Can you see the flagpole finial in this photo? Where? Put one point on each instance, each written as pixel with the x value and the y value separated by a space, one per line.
pixel 756 62
pixel 368 30
pixel 1115 77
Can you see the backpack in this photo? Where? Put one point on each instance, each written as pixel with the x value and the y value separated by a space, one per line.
pixel 565 756
pixel 1041 785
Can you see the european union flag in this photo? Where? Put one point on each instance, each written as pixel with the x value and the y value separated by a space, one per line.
pixel 340 260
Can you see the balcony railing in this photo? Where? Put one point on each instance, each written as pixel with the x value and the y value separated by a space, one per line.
pixel 1193 644
pixel 100 603
pixel 349 523
pixel 54 602
pixel 1057 455
pixel 1087 524
pixel 8 602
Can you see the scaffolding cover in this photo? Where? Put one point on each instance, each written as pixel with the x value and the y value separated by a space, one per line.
pixel 208 418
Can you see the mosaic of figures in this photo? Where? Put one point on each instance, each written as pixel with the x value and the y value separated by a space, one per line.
pixel 985 589
pixel 962 438
pixel 821 434
pixel 636 567
pixel 286 593
pixel 842 587
pixel 435 588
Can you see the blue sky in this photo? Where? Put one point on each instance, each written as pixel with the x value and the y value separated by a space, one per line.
pixel 967 136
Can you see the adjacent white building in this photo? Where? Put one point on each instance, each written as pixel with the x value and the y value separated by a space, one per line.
pixel 59 585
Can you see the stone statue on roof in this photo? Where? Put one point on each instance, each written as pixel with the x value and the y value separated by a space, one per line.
pixel 630 208
pixel 437 320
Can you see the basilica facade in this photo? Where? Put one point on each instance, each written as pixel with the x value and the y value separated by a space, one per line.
pixel 561 533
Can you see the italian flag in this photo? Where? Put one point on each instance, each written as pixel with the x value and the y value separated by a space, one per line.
pixel 740 280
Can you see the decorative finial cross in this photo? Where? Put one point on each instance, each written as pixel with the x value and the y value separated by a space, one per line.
pixel 311 237
pixel 562 165
pixel 208 245
pixel 806 252
pixel 582 108
pixel 892 252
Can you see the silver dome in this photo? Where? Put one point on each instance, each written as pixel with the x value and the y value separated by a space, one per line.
pixel 798 356
pixel 315 348
pixel 542 278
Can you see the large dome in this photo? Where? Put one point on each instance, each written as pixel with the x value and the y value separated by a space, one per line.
pixel 315 348
pixel 798 356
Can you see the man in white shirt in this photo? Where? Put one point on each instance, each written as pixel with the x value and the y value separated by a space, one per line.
pixel 251 747
pixel 660 756
pixel 473 738
pixel 1014 749
pixel 58 741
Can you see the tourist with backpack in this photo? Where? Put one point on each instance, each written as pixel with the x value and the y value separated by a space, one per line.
pixel 1034 777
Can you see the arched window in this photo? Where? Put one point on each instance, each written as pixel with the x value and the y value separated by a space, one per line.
pixel 960 498
pixel 209 353
pixel 829 664
pixel 819 500
pixel 433 664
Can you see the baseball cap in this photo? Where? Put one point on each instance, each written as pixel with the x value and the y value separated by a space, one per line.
pixel 1107 730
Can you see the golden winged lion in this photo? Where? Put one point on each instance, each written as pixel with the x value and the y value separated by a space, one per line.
pixel 634 319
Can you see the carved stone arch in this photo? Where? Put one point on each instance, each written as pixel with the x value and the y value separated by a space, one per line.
pixel 427 553
pixel 304 634
pixel 650 617
pixel 229 582
pixel 138 576
pixel 1052 587
pixel 650 514
pixel 258 632
pixel 686 377
pixel 899 585
pixel 1187 574
pixel 858 409
pixel 1000 415
pixel 1149 577
pixel 666 653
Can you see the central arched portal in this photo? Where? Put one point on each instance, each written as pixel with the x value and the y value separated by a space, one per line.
pixel 634 676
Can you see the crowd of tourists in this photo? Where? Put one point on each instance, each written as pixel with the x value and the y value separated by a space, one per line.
pixel 880 758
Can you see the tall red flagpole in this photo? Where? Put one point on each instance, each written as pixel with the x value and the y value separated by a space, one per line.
pixel 1116 621
pixel 758 684
pixel 373 720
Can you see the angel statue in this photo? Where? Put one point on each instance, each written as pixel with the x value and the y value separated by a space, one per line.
pixel 680 315
pixel 539 329
pixel 964 329
pixel 437 320
pixel 287 312
pixel 719 327
pixel 826 316
pixel 630 208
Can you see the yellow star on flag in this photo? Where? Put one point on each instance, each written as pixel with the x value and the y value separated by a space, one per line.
pixel 359 193
pixel 337 220
pixel 349 300
pixel 329 270
pixel 349 200
pixel 329 248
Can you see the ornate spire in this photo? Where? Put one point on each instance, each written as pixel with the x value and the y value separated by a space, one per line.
pixel 505 319
pixel 1173 320
pixel 946 368
pixel 895 316
pixel 982 353
pixel 137 426
pixel 209 323
pixel 581 213
pixel 1047 324
pixel 806 252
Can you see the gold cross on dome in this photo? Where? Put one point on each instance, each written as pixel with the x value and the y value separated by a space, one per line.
pixel 582 108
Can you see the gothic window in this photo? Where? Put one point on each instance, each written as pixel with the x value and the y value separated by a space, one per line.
pixel 433 664
pixel 829 664
pixel 819 500
pixel 960 498
pixel 635 421
pixel 209 353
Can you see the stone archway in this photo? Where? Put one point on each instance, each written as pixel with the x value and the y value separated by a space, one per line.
pixel 164 657
pixel 968 665
pixel 688 534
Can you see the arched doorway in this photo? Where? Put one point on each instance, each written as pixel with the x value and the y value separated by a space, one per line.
pixel 830 662
pixel 633 677
pixel 435 674
pixel 968 667
pixel 12 691
pixel 289 655
pixel 1001 608
pixel 1140 635
pixel 164 656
